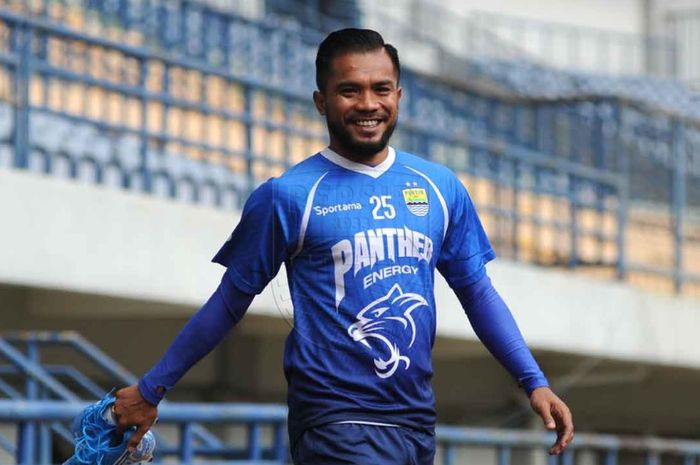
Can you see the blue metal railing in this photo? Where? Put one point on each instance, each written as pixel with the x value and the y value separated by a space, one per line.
pixel 451 440
pixel 187 25
pixel 68 383
pixel 27 415
pixel 91 109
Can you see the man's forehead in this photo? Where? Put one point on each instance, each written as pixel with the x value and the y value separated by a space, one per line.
pixel 370 61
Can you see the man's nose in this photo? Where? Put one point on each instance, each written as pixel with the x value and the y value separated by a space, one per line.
pixel 367 101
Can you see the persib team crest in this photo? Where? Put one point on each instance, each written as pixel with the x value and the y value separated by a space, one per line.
pixel 416 200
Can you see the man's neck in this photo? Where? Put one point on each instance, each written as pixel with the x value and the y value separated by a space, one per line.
pixel 372 160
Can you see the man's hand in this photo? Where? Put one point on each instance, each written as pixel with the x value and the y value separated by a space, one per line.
pixel 131 409
pixel 556 416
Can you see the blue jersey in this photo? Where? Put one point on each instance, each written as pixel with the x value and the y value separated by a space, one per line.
pixel 360 245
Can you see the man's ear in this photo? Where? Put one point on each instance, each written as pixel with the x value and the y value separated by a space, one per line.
pixel 399 93
pixel 320 102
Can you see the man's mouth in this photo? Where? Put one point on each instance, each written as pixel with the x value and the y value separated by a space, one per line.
pixel 367 123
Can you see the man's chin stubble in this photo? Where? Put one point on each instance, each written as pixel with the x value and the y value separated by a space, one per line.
pixel 361 152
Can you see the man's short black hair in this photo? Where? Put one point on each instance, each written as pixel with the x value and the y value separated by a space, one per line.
pixel 350 40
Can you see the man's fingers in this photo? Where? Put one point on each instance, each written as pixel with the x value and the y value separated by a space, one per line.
pixel 136 438
pixel 555 415
pixel 565 429
pixel 547 417
pixel 129 410
pixel 119 420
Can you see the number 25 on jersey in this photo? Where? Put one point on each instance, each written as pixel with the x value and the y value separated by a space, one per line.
pixel 382 209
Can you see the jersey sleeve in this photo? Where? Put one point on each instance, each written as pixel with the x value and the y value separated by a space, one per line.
pixel 466 247
pixel 262 240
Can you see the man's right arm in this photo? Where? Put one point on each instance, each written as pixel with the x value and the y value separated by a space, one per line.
pixel 137 405
pixel 266 232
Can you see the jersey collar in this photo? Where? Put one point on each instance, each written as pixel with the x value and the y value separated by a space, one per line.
pixel 373 171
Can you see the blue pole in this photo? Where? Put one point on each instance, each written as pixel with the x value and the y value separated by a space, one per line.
pixel 567 457
pixel 254 441
pixel 600 159
pixel 610 457
pixel 653 458
pixel 165 113
pixel 679 201
pixel 145 166
pixel 21 43
pixel 44 431
pixel 573 226
pixel 515 231
pixel 123 11
pixel 28 431
pixel 622 195
pixel 226 43
pixel 186 445
pixel 543 144
pixel 517 135
pixel 286 143
pixel 410 112
pixel 25 443
pixel 44 443
pixel 280 443
pixel 248 119
pixel 504 454
pixel 449 455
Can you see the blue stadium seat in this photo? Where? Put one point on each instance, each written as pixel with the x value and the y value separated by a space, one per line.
pixel 113 175
pixel 536 80
pixel 75 139
pixel 6 122
pixel 62 164
pixel 94 157
pixel 128 158
pixel 161 178
pixel 38 161
pixel 7 155
pixel 47 131
pixel 87 170
pixel 235 188
pixel 180 169
pixel 213 181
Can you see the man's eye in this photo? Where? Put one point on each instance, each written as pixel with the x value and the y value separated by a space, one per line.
pixel 348 91
pixel 383 90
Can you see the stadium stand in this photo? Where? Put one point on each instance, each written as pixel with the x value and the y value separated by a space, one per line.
pixel 537 80
pixel 582 119
pixel 189 102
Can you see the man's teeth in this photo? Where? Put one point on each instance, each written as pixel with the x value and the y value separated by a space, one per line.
pixel 367 123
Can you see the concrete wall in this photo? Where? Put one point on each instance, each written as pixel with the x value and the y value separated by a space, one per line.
pixel 83 239
pixel 127 271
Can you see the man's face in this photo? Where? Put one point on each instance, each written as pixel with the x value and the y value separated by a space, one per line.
pixel 361 103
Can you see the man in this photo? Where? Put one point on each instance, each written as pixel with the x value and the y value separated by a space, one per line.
pixel 361 228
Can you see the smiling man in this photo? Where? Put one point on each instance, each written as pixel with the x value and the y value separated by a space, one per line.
pixel 358 360
pixel 359 94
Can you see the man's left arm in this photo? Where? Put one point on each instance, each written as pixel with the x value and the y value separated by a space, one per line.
pixel 495 326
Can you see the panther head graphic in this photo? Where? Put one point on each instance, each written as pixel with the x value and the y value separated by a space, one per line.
pixel 372 322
